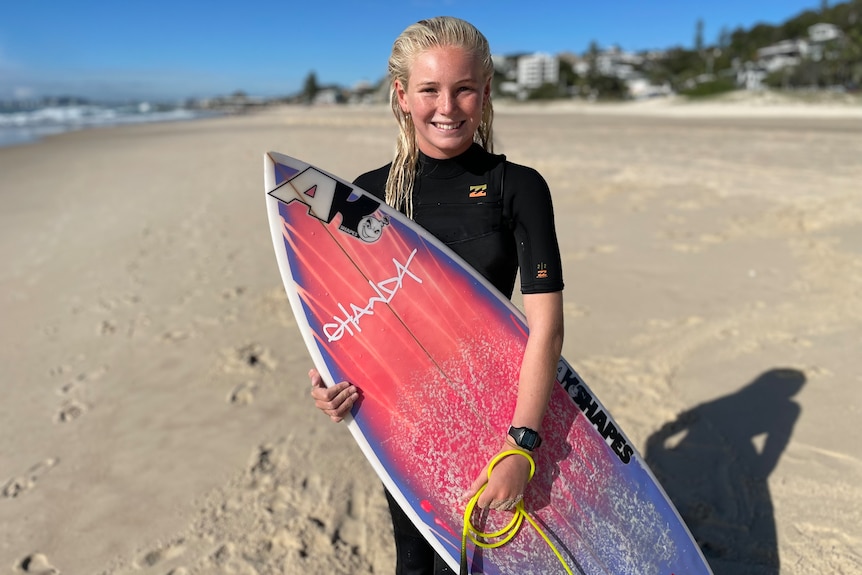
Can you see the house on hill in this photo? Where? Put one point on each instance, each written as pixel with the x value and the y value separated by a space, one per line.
pixel 787 54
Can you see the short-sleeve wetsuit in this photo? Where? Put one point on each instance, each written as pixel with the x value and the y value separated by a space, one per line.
pixel 498 217
pixel 495 214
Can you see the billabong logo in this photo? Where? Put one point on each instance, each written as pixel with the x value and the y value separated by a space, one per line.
pixel 479 191
pixel 326 197
pixel 542 271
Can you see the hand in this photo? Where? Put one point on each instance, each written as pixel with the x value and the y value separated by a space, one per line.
pixel 334 401
pixel 506 486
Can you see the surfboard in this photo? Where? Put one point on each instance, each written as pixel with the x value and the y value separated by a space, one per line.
pixel 436 351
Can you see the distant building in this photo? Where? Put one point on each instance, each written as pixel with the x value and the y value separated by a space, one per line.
pixel 537 69
pixel 627 67
pixel 820 33
pixel 328 96
pixel 641 88
pixel 749 76
pixel 784 54
pixel 522 73
pixel 617 63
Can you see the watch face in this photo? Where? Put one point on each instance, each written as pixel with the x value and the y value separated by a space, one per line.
pixel 529 439
pixel 525 437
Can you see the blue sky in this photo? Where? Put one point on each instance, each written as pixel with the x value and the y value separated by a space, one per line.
pixel 177 49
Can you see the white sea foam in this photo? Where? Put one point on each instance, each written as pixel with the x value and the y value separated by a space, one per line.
pixel 23 126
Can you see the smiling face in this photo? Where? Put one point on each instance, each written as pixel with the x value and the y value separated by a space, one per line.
pixel 444 96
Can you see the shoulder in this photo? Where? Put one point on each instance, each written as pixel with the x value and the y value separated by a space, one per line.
pixel 374 182
pixel 523 185
pixel 523 176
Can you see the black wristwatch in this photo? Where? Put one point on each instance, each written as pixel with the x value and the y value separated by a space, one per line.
pixel 525 438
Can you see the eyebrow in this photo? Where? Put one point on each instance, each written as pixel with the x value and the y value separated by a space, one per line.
pixel 435 83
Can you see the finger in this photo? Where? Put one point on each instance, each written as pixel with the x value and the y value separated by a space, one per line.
pixel 334 397
pixel 487 500
pixel 340 406
pixel 322 393
pixel 477 484
pixel 316 378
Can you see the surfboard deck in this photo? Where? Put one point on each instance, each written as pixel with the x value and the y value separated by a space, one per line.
pixel 436 351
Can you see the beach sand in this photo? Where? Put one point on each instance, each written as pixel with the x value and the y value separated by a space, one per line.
pixel 156 418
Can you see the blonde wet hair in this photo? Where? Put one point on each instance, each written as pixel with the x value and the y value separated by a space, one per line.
pixel 417 38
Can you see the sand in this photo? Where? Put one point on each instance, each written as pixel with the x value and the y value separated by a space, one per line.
pixel 155 415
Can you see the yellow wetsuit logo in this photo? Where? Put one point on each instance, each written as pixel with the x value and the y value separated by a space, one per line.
pixel 479 191
pixel 542 271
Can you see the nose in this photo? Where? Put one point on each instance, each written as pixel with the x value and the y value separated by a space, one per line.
pixel 446 102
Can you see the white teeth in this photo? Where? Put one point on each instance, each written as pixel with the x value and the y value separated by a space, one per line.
pixel 448 126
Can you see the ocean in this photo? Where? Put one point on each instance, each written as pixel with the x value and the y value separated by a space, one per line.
pixel 20 126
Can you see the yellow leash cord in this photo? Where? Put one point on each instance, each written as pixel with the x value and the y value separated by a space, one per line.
pixel 509 531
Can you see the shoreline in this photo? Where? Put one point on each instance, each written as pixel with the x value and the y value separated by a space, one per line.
pixel 755 105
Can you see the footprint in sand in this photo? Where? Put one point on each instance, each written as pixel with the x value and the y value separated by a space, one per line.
pixel 84 377
pixel 164 553
pixel 251 357
pixel 233 293
pixel 106 327
pixel 243 394
pixel 19 485
pixel 38 564
pixel 59 370
pixel 69 411
pixel 263 460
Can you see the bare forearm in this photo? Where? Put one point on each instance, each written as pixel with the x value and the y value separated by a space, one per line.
pixel 541 356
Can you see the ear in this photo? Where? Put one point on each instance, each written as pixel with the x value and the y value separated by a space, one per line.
pixel 486 93
pixel 401 92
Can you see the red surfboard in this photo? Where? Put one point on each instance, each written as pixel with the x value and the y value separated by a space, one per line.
pixel 436 351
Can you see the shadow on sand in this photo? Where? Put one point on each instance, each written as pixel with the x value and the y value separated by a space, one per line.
pixel 714 461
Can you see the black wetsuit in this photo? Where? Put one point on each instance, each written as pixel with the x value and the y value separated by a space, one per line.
pixel 498 217
pixel 495 214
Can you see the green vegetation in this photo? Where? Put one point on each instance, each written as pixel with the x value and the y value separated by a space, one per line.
pixel 310 88
pixel 705 69
pixel 710 69
pixel 839 65
pixel 710 88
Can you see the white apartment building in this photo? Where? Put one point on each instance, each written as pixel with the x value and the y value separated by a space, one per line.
pixel 537 69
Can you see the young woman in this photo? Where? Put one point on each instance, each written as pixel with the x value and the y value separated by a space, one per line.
pixel 441 72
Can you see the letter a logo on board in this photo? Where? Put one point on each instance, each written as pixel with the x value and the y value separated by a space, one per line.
pixel 311 187
pixel 326 197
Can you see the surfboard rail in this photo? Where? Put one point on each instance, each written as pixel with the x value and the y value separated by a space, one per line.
pixel 382 303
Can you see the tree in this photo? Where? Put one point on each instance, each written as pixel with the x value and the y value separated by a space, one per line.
pixel 568 76
pixel 545 92
pixel 724 38
pixel 593 58
pixel 310 87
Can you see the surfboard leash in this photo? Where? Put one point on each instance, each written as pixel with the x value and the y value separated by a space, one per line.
pixel 505 534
